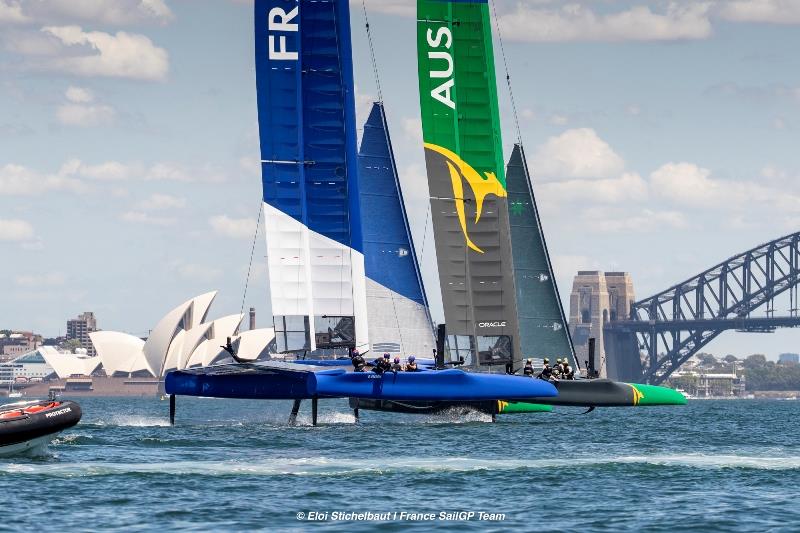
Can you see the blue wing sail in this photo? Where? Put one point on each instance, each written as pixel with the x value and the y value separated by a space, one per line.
pixel 306 112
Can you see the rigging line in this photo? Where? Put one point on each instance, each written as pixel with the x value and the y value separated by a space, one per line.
pixel 252 251
pixel 372 52
pixel 508 75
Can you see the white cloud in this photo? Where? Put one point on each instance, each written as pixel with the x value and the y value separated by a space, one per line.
pixel 15 230
pixel 405 8
pixel 689 185
pixel 114 12
pixel 166 171
pixel 528 114
pixel 769 11
pixel 604 220
pixel 17 180
pixel 11 12
pixel 108 171
pixel 251 164
pixel 122 55
pixel 85 115
pixel 628 187
pixel 235 228
pixel 577 153
pixel 575 22
pixel 139 217
pixel 79 95
pixel 412 128
pixel 51 279
pixel 159 202
pixel 558 120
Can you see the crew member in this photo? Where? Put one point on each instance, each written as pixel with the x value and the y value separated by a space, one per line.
pixel 358 361
pixel 411 364
pixel 569 373
pixel 528 370
pixel 557 370
pixel 382 365
pixel 397 367
pixel 547 371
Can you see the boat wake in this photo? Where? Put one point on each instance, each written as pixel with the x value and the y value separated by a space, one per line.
pixel 333 466
pixel 137 421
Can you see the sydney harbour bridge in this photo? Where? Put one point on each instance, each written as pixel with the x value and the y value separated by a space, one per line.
pixel 741 293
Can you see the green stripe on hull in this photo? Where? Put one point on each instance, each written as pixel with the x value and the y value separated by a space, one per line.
pixel 655 395
pixel 510 408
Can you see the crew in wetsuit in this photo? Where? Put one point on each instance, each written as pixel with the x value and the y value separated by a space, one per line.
pixel 556 370
pixel 528 370
pixel 411 365
pixel 382 365
pixel 358 361
pixel 568 373
pixel 547 371
pixel 397 367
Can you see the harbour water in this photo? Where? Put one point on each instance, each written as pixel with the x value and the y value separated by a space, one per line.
pixel 237 465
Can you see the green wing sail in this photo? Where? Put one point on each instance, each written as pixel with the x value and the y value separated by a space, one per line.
pixel 466 178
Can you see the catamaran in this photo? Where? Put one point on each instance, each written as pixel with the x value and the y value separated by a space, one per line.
pixel 342 267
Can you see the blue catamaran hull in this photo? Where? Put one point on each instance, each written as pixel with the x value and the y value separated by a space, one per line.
pixel 271 381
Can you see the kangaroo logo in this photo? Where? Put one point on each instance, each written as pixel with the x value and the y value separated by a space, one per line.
pixel 637 395
pixel 481 187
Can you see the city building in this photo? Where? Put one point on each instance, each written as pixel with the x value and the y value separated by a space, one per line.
pixel 787 358
pixel 80 328
pixel 596 299
pixel 29 368
pixel 16 343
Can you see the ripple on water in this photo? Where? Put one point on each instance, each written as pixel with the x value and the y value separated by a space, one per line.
pixel 233 465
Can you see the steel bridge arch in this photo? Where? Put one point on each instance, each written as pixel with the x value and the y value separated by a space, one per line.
pixel 689 315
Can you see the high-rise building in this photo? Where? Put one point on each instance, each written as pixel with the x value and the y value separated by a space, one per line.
pixel 79 329
pixel 596 299
pixel 789 358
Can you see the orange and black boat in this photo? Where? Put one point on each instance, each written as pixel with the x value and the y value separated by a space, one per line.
pixel 26 426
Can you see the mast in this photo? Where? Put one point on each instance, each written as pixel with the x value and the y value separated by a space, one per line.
pixel 306 111
pixel 466 179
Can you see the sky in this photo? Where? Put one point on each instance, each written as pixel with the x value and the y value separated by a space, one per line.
pixel 662 138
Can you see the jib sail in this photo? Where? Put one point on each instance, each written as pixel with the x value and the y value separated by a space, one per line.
pixel 543 327
pixel 399 320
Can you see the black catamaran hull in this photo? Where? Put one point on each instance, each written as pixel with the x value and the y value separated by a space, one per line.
pixel 578 393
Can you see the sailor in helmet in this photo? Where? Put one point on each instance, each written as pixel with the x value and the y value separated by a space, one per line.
pixel 411 364
pixel 397 367
pixel 383 364
pixel 567 371
pixel 547 371
pixel 527 371
pixel 557 369
pixel 358 361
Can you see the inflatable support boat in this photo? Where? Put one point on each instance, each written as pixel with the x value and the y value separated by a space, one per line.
pixel 25 426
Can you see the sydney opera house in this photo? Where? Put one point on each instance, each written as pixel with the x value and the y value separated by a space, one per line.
pixel 183 338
